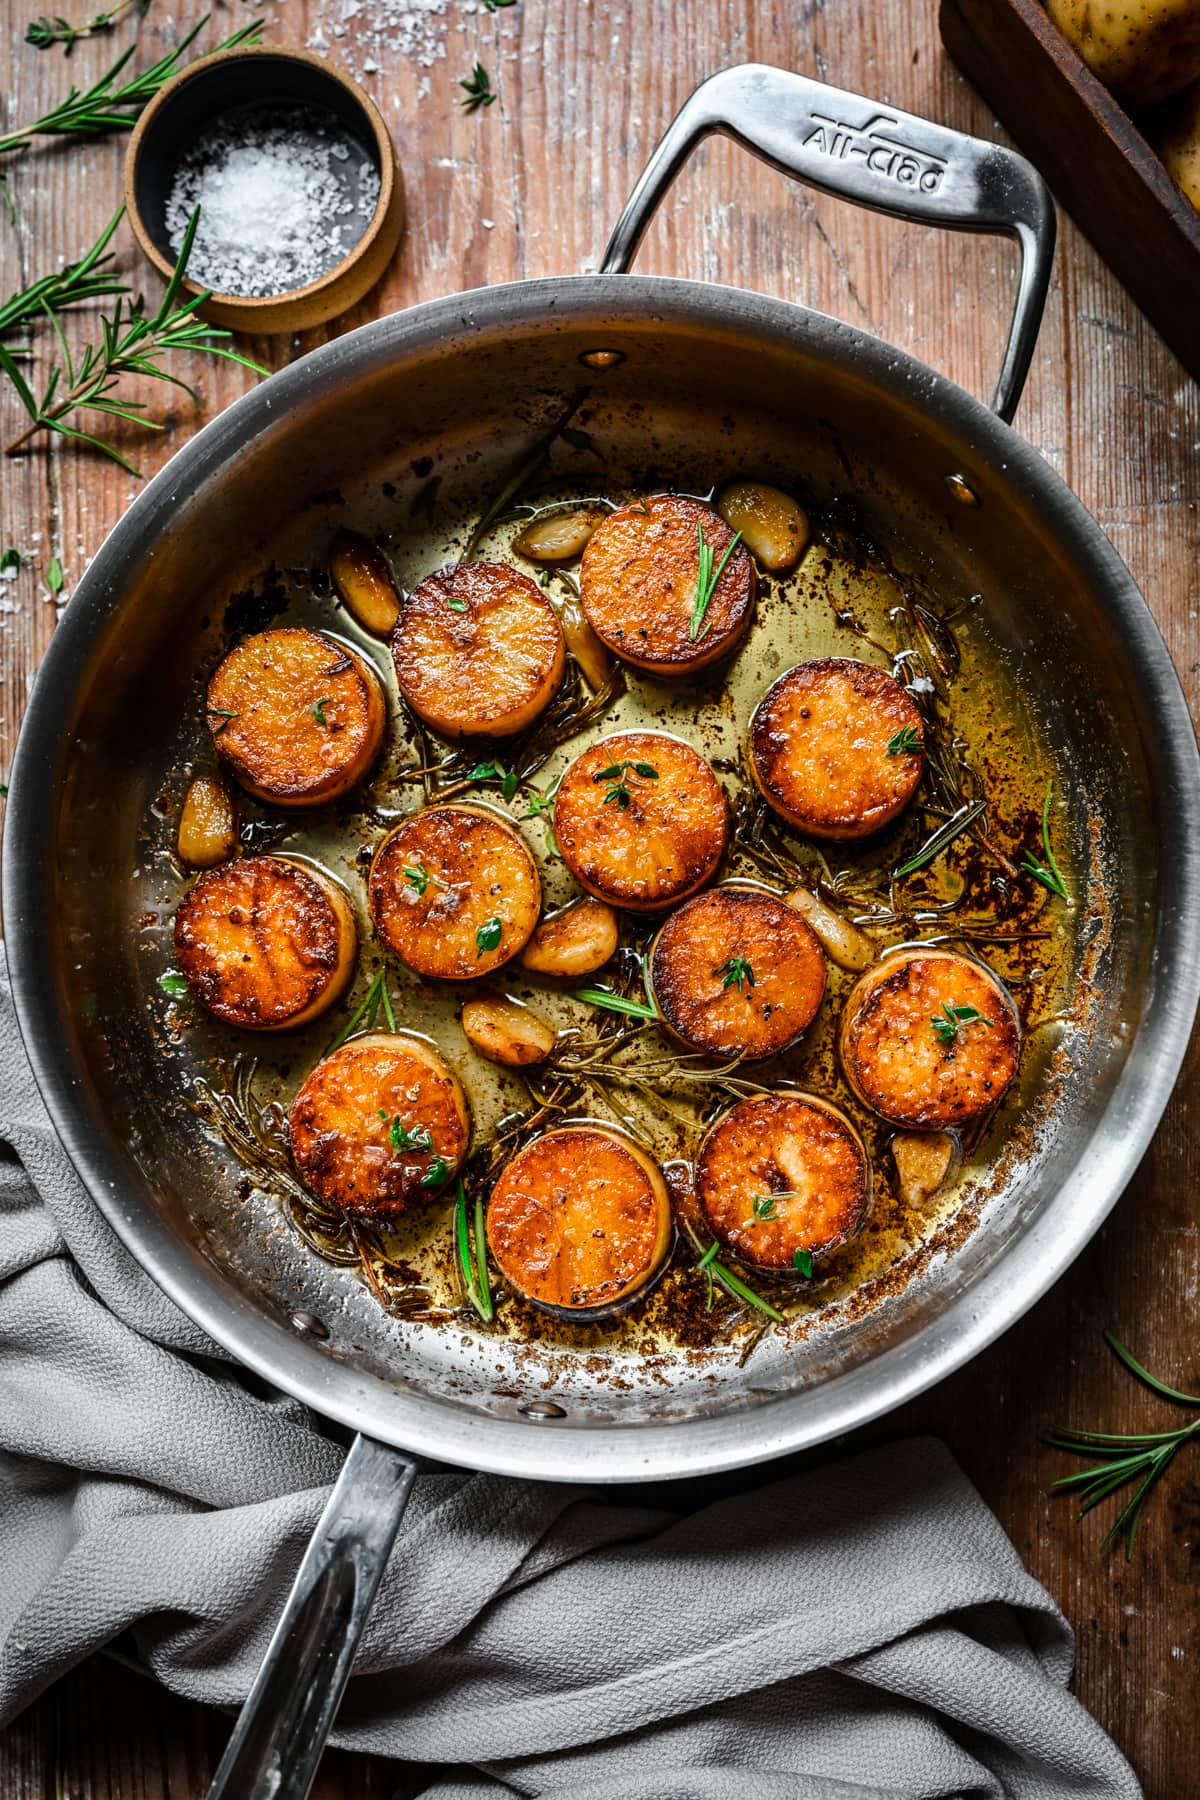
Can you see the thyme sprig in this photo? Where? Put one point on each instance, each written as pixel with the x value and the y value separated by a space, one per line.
pixel 949 1021
pixel 477 89
pixel 715 1271
pixel 131 344
pixel 375 997
pixel 43 33
pixel 472 1257
pixel 1048 873
pixel 735 971
pixel 618 789
pixel 111 104
pixel 707 579
pixel 1142 1457
pixel 507 779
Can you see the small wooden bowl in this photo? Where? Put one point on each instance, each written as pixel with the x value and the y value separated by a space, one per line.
pixel 262 77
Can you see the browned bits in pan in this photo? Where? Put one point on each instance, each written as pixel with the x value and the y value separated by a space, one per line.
pixel 928 1038
pixel 639 582
pixel 736 972
pixel 478 650
pixel 781 1177
pixel 265 943
pixel 298 716
pixel 379 1126
pixel 641 820
pixel 579 1218
pixel 836 747
pixel 454 892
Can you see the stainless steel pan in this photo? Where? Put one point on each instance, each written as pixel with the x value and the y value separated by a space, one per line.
pixel 686 372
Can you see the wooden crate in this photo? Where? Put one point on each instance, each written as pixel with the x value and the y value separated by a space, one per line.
pixel 1098 164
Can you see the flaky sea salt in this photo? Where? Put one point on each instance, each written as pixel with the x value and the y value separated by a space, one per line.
pixel 282 199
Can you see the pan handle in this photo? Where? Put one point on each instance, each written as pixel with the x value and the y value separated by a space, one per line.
pixel 876 156
pixel 281 1731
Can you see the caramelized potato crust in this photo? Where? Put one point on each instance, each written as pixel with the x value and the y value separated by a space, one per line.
pixel 904 1068
pixel 782 1173
pixel 579 1218
pixel 454 892
pixel 658 844
pixel 638 585
pixel 353 1121
pixel 265 943
pixel 819 747
pixel 736 972
pixel 478 650
pixel 298 716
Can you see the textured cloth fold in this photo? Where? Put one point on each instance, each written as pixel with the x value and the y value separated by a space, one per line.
pixel 862 1631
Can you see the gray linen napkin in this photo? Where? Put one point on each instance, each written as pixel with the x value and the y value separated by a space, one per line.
pixel 866 1630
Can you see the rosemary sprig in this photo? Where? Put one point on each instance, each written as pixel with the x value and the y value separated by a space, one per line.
pixel 1142 1457
pixel 528 473
pixel 950 1020
pixel 906 743
pixel 91 278
pixel 714 1271
pixel 111 104
pixel 944 835
pixel 1048 873
pixel 618 1003
pixel 477 89
pixel 43 33
pixel 376 996
pixel 707 579
pixel 131 344
pixel 472 1262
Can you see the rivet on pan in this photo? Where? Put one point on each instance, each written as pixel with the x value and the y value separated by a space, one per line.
pixel 542 1409
pixel 602 359
pixel 309 1322
pixel 962 491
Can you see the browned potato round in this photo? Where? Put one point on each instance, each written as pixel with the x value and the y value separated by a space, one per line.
pixel 478 650
pixel 835 746
pixel 577 940
pixel 507 1031
pixel 265 942
pixel 639 580
pixel 641 820
pixel 298 716
pixel 781 1176
pixel 379 1125
pixel 928 1038
pixel 579 1219
pixel 454 892
pixel 736 972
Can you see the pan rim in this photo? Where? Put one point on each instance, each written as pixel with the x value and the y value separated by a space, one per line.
pixel 430 1427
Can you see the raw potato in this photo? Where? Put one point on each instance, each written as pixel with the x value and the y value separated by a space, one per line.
pixel 454 892
pixel 780 1174
pixel 924 1161
pixel 207 824
pixel 841 940
pixel 819 747
pixel 906 1070
pixel 774 527
pixel 593 657
pixel 297 715
pixel 507 1031
pixel 266 943
pixel 478 650
pixel 754 1006
pixel 559 537
pixel 1142 50
pixel 639 582
pixel 576 941
pixel 579 1219
pixel 364 582
pixel 1180 147
pixel 663 843
pixel 352 1124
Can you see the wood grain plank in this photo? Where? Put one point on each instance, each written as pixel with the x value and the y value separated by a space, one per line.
pixel 531 187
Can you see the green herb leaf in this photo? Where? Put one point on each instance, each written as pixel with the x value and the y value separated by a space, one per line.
pixel 318 709
pixel 404 1137
pixel 950 1020
pixel 477 89
pixel 508 779
pixel 367 1012
pixel 173 983
pixel 713 1270
pixel 707 579
pixel 43 33
pixel 495 5
pixel 55 579
pixel 764 1206
pixel 906 743
pixel 1048 873
pixel 455 603
pixel 488 937
pixel 618 790
pixel 735 971
pixel 10 560
pixel 219 712
pixel 436 1173
pixel 417 876
pixel 618 1003
pixel 802 1260
pixel 942 837
pixel 472 1263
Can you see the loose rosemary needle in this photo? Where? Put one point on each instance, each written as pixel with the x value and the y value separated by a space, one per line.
pixel 91 278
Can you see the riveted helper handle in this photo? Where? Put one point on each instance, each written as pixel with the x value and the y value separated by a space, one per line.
pixel 876 156
pixel 282 1729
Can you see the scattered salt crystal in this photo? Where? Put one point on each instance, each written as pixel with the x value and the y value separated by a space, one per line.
pixel 281 202
pixel 488 224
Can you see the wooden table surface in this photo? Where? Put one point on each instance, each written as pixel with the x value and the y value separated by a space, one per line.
pixel 530 186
